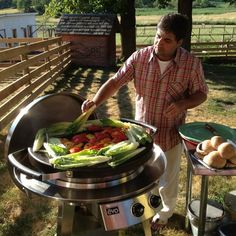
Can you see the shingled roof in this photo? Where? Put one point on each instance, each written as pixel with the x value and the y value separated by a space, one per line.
pixel 86 24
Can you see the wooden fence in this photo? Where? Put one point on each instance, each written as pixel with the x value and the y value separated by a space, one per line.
pixel 27 67
pixel 214 49
pixel 226 50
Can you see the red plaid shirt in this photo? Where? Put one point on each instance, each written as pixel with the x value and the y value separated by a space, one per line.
pixel 155 92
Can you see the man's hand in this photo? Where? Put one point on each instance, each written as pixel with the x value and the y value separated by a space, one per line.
pixel 86 105
pixel 188 103
pixel 175 109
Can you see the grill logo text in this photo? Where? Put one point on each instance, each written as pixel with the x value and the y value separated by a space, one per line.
pixel 112 211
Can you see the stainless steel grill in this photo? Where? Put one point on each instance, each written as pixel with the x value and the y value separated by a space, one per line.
pixel 109 198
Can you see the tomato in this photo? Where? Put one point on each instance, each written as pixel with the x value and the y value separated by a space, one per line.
pixel 118 135
pixel 100 135
pixel 80 138
pixel 97 146
pixel 75 149
pixel 94 128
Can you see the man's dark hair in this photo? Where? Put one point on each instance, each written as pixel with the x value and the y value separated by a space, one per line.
pixel 175 23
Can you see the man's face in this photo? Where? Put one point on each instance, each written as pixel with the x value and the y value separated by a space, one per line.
pixel 165 45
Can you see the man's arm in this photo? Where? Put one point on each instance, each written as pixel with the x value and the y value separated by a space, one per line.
pixel 189 102
pixel 108 89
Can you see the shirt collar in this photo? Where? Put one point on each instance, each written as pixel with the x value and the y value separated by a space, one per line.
pixel 176 59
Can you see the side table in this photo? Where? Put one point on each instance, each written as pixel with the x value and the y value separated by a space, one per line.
pixel 196 168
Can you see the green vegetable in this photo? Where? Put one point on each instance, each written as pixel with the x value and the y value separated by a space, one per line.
pixel 55 150
pixel 113 123
pixel 104 149
pixel 65 162
pixel 121 147
pixel 88 152
pixel 58 129
pixel 130 135
pixel 127 156
pixel 77 124
pixel 39 139
pixel 56 141
pixel 140 134
pixel 88 123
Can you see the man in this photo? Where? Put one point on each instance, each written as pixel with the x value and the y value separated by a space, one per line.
pixel 168 80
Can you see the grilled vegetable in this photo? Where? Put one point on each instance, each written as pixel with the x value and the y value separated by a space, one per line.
pixel 73 160
pixel 121 147
pixel 77 124
pixel 86 143
pixel 140 134
pixel 117 160
pixel 55 150
pixel 113 123
pixel 58 129
pixel 39 139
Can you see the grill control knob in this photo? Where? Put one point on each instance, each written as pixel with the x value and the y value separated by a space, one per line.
pixel 137 209
pixel 154 201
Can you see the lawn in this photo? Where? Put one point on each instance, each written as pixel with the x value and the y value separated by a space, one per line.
pixel 23 215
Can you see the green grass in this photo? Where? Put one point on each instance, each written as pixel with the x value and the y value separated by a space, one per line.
pixel 220 9
pixel 20 215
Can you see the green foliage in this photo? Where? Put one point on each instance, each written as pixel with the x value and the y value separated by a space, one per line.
pixel 162 3
pixel 39 5
pixel 231 2
pixel 5 4
pixel 203 3
pixel 59 7
pixel 25 5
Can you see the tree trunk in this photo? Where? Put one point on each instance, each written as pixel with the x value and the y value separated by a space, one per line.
pixel 127 28
pixel 185 8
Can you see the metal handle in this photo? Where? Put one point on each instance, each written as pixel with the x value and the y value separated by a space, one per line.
pixel 15 163
pixel 151 127
pixel 211 129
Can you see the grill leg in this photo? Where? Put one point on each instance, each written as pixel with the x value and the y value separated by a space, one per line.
pixel 65 219
pixel 147 228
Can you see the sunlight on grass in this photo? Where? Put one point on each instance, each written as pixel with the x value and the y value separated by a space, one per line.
pixel 9 11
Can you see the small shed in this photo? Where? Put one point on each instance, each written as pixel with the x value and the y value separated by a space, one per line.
pixel 92 38
pixel 17 25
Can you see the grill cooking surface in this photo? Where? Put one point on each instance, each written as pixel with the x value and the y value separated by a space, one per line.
pixel 125 194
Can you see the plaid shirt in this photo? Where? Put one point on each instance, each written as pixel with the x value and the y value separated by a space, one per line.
pixel 155 92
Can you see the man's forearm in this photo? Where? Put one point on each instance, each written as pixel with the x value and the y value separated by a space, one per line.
pixel 105 91
pixel 194 100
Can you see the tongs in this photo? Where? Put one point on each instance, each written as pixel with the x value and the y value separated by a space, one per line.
pixel 211 129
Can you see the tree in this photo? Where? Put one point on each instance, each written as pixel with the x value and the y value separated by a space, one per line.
pixel 39 5
pixel 5 4
pixel 231 2
pixel 185 8
pixel 25 5
pixel 124 7
pixel 128 29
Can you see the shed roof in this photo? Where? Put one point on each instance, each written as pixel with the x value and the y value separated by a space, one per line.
pixel 86 24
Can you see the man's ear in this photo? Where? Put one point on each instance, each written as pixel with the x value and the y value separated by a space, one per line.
pixel 180 42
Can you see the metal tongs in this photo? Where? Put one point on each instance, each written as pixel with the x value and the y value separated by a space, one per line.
pixel 211 129
pixel 216 133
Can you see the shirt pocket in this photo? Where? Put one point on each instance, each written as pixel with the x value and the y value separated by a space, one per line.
pixel 176 91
